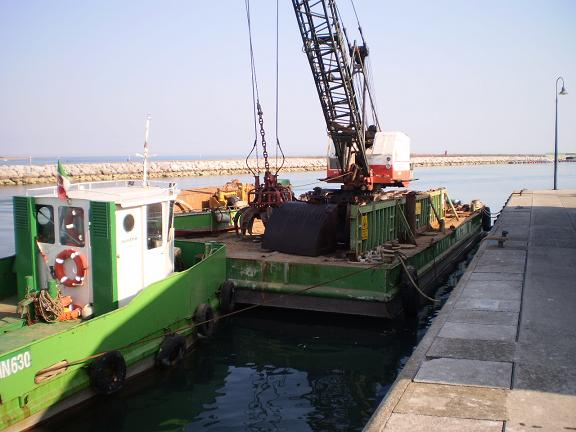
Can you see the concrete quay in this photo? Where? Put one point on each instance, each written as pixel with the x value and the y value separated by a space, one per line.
pixel 501 354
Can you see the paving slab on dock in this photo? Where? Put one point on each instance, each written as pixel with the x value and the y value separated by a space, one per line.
pixel 501 355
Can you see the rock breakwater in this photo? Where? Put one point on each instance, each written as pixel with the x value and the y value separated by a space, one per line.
pixel 84 172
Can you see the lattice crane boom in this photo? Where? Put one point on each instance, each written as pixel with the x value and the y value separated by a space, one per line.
pixel 335 64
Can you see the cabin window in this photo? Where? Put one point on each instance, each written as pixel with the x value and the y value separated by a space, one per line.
pixel 333 163
pixel 45 223
pixel 154 224
pixel 128 222
pixel 71 224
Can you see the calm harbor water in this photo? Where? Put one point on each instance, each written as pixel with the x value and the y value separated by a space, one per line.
pixel 286 371
pixel 266 371
pixel 262 371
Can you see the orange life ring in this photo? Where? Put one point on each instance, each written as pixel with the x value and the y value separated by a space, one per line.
pixel 79 271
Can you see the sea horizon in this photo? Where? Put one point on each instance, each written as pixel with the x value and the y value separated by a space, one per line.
pixel 74 159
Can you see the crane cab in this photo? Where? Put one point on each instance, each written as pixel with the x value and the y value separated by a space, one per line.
pixel 388 159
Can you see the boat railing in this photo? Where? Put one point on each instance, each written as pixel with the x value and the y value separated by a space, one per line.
pixel 53 190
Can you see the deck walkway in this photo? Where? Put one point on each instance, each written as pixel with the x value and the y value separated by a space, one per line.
pixel 501 355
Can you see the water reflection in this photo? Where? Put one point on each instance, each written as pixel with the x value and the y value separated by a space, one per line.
pixel 265 371
pixel 268 370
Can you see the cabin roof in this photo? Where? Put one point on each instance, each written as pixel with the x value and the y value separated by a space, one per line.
pixel 125 195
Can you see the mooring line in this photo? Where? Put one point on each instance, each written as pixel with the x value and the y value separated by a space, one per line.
pixel 236 312
pixel 195 325
pixel 412 280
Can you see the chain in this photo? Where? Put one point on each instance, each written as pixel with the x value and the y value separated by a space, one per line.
pixel 264 151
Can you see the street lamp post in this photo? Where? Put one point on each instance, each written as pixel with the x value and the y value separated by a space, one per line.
pixel 562 93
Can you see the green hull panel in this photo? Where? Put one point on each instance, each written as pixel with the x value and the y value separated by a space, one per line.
pixel 203 222
pixel 343 281
pixel 136 330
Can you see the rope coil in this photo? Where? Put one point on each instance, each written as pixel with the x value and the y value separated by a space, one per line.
pixel 50 309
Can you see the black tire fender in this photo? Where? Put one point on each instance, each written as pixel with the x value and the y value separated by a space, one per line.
pixel 171 351
pixel 204 320
pixel 108 373
pixel 486 219
pixel 227 297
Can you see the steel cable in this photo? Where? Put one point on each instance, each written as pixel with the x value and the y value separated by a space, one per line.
pixel 255 93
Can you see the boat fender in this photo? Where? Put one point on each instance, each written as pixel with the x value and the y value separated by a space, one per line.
pixel 80 267
pixel 227 297
pixel 87 311
pixel 486 219
pixel 409 295
pixel 171 351
pixel 107 373
pixel 204 320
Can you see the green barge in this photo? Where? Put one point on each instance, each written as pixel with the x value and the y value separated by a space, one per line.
pixel 137 298
pixel 395 250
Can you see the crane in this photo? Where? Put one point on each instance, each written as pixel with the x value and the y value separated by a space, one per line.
pixel 363 156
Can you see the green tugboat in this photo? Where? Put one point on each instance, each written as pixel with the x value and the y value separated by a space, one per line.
pixel 103 292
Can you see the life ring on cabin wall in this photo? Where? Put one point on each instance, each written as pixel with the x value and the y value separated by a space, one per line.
pixel 70 276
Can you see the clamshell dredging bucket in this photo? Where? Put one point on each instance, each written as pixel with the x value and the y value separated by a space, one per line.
pixel 301 228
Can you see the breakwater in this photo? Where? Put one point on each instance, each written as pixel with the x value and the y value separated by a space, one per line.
pixel 83 172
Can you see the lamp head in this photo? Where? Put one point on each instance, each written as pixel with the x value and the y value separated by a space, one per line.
pixel 563 91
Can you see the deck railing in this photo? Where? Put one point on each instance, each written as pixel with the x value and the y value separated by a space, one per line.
pixel 53 190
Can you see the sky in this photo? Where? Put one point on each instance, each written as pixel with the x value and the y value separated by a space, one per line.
pixel 463 76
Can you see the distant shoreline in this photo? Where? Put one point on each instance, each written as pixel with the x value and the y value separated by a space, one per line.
pixel 11 175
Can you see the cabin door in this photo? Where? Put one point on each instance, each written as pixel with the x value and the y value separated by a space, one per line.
pixel 157 257
pixel 129 249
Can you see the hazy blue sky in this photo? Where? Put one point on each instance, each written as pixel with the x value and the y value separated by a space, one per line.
pixel 467 76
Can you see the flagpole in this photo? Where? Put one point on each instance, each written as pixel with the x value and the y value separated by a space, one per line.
pixel 146 134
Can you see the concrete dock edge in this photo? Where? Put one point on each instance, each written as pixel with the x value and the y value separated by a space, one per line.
pixel 380 417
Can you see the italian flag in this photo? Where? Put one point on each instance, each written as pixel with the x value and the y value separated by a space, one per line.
pixel 63 180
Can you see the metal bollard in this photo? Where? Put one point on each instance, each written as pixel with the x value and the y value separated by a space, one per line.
pixel 502 239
